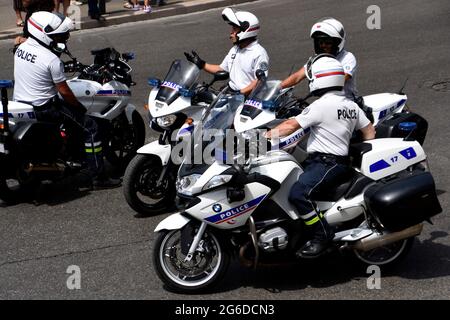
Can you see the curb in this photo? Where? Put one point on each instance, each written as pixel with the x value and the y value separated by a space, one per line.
pixel 172 10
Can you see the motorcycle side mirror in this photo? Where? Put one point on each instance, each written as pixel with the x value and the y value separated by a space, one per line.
pixel 154 82
pixel 260 74
pixel 236 191
pixel 69 66
pixel 114 55
pixel 269 104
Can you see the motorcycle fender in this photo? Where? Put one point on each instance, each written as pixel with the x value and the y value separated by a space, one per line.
pixel 129 112
pixel 172 222
pixel 163 151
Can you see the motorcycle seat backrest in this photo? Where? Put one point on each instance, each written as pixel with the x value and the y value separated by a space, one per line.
pixel 356 152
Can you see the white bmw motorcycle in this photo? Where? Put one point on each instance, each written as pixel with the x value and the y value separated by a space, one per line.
pixel 244 210
pixel 33 151
pixel 176 103
pixel 104 89
pixel 268 105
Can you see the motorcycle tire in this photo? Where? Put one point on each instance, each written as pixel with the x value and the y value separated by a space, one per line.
pixel 204 271
pixel 139 186
pixel 128 139
pixel 13 190
pixel 385 256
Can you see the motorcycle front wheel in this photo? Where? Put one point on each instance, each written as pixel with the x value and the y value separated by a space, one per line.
pixel 140 187
pixel 206 268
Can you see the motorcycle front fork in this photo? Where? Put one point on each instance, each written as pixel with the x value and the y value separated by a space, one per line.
pixel 195 242
pixel 165 169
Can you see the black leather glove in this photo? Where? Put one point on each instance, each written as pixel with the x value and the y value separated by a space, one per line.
pixel 195 59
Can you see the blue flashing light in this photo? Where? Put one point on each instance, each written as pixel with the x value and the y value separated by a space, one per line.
pixel 154 82
pixel 186 92
pixel 269 104
pixel 407 126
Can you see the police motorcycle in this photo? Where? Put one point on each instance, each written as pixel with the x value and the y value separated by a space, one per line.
pixel 33 151
pixel 268 105
pixel 104 89
pixel 175 104
pixel 243 210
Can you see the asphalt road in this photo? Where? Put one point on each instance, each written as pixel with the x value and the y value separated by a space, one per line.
pixel 98 232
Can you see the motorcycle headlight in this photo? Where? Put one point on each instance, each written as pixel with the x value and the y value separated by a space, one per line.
pixel 217 181
pixel 166 121
pixel 185 184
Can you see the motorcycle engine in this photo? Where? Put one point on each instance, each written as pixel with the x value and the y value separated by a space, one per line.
pixel 273 240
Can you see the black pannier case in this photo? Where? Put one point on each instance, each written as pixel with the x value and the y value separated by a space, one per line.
pixel 403 202
pixel 390 127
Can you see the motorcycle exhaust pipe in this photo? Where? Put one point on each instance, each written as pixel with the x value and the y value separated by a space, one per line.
pixel 376 240
pixel 52 167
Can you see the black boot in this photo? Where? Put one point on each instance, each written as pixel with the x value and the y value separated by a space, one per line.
pixel 100 180
pixel 321 241
pixel 103 182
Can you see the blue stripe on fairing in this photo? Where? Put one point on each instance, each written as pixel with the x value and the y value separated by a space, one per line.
pixel 236 211
pixel 382 114
pixel 379 165
pixel 113 92
pixel 408 153
pixel 401 102
pixel 187 129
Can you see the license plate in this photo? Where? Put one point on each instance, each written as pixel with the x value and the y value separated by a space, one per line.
pixel 2 148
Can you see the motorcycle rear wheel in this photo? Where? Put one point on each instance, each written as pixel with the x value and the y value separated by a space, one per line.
pixel 13 189
pixel 125 140
pixel 204 271
pixel 385 256
pixel 139 186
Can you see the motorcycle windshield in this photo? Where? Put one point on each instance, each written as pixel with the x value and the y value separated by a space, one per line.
pixel 182 74
pixel 211 132
pixel 264 93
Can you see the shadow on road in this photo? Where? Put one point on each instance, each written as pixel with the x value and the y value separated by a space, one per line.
pixel 427 260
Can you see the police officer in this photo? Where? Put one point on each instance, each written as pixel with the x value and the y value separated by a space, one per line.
pixel 329 37
pixel 39 77
pixel 332 119
pixel 245 57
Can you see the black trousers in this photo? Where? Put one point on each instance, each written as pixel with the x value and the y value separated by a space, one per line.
pixel 321 171
pixel 56 112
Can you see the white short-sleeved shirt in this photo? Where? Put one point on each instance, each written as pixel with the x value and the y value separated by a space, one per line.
pixel 243 63
pixel 332 120
pixel 36 70
pixel 348 61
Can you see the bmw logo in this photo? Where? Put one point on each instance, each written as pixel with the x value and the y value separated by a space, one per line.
pixel 217 208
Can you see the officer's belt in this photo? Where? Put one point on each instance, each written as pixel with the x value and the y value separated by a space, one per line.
pixel 338 159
